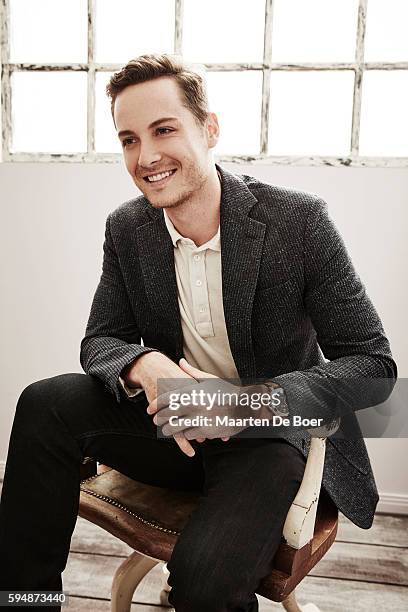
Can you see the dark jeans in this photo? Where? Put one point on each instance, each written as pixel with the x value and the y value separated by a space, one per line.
pixel 229 542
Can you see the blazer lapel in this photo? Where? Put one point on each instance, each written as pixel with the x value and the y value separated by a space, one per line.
pixel 241 251
pixel 157 263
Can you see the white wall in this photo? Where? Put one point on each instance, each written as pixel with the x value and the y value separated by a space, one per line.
pixel 51 251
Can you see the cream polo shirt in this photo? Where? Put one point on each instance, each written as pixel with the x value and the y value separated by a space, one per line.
pixel 199 285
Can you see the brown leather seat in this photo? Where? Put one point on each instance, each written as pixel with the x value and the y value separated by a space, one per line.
pixel 149 519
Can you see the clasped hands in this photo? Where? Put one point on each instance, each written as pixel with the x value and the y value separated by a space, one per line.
pixel 175 409
pixel 154 368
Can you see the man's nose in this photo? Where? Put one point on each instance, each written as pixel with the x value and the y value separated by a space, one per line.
pixel 148 155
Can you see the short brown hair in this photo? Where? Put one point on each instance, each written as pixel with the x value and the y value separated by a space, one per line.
pixel 153 66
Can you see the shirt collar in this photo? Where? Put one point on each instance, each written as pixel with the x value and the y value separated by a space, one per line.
pixel 174 234
pixel 214 243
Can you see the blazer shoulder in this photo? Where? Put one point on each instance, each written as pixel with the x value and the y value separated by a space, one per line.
pixel 133 210
pixel 284 200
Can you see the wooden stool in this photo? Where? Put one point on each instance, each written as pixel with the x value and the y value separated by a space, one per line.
pixel 149 519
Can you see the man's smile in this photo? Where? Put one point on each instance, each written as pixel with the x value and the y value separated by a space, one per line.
pixel 160 178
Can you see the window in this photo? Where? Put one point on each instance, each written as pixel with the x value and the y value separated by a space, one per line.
pixel 311 82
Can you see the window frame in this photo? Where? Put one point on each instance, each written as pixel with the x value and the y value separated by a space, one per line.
pixel 267 66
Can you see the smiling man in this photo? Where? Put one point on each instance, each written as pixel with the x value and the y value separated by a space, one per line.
pixel 213 282
pixel 167 150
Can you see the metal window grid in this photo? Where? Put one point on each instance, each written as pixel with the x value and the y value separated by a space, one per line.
pixel 359 66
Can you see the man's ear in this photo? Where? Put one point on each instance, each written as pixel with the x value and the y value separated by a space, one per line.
pixel 212 130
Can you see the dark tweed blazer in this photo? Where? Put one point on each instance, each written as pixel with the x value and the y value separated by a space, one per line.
pixel 290 294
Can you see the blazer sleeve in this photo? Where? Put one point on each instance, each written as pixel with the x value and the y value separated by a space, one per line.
pixel 359 371
pixel 112 338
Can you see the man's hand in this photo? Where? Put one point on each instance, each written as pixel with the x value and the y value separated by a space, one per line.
pixel 197 375
pixel 146 370
pixel 206 387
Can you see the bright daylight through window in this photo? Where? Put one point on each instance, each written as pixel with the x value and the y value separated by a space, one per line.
pixel 293 81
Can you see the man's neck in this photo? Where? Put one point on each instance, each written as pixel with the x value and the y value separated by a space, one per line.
pixel 199 219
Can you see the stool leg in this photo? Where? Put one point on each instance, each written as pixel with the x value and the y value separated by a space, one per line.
pixel 291 605
pixel 166 588
pixel 128 575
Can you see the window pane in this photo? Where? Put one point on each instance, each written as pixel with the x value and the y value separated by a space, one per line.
pixel 227 31
pixel 314 30
pixel 106 140
pixel 384 118
pixel 236 99
pixel 387 31
pixel 46 31
pixel 49 112
pixel 311 113
pixel 128 28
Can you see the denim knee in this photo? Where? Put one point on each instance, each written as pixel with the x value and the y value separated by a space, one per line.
pixel 39 398
pixel 208 590
pixel 205 597
pixel 32 403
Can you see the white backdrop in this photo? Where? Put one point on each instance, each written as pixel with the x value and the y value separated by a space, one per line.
pixel 53 219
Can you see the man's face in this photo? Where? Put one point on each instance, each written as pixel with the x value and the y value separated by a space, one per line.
pixel 167 153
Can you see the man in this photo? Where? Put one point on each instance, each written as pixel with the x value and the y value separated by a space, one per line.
pixel 221 276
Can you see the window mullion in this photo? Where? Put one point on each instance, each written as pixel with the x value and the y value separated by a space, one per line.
pixel 315 66
pixel 232 66
pixel 178 26
pixel 385 66
pixel 51 67
pixel 92 67
pixel 91 80
pixel 5 81
pixel 358 77
pixel 266 76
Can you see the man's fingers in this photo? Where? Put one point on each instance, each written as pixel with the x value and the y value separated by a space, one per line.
pixel 162 401
pixel 185 445
pixel 152 407
pixel 194 372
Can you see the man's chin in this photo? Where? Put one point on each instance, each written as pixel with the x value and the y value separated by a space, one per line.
pixel 169 202
pixel 166 204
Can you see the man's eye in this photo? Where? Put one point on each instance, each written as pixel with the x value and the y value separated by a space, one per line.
pixel 127 141
pixel 164 130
